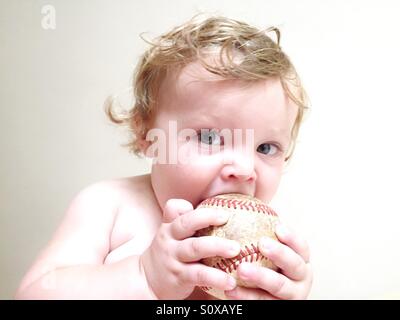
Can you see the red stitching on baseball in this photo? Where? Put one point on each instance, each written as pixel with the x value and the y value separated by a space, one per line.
pixel 205 288
pixel 242 204
pixel 248 254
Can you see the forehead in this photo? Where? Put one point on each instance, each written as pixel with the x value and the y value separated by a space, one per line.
pixel 198 93
pixel 194 82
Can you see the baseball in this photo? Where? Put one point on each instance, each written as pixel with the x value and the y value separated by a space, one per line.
pixel 250 219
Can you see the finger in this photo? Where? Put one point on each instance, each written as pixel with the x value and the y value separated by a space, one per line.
pixel 294 241
pixel 200 275
pixel 243 293
pixel 186 225
pixel 174 208
pixel 194 249
pixel 267 279
pixel 291 264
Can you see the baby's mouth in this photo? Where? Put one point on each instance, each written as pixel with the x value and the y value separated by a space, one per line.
pixel 223 192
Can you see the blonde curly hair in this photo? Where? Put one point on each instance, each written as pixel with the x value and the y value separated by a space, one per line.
pixel 260 58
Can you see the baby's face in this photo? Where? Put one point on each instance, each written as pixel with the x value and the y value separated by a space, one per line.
pixel 242 147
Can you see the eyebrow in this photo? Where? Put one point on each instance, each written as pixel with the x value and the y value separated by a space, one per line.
pixel 277 133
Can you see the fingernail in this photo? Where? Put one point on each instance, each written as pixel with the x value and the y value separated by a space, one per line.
pixel 231 283
pixel 282 230
pixel 268 245
pixel 245 270
pixel 223 216
pixel 234 249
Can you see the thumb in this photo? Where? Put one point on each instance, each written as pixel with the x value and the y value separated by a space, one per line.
pixel 174 208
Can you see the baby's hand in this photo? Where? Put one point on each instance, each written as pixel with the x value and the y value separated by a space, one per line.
pixel 171 264
pixel 293 281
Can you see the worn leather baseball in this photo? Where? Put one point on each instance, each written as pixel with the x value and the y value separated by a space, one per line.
pixel 250 219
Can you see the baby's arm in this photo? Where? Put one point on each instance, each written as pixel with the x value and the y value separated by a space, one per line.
pixel 71 266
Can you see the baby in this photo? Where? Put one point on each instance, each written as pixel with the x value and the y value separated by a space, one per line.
pixel 218 106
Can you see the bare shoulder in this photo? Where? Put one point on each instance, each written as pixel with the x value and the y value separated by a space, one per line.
pixel 129 189
pixel 109 196
pixel 115 190
pixel 103 207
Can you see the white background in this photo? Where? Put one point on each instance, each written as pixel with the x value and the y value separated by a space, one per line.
pixel 340 191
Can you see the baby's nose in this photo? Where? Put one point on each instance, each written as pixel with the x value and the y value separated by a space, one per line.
pixel 239 166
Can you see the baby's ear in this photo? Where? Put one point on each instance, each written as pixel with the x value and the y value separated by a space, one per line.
pixel 139 127
pixel 143 145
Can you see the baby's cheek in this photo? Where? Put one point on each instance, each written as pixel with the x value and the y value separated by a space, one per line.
pixel 200 168
pixel 267 184
pixel 197 154
pixel 199 172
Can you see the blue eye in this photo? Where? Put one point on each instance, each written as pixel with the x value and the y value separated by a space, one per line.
pixel 268 149
pixel 210 137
